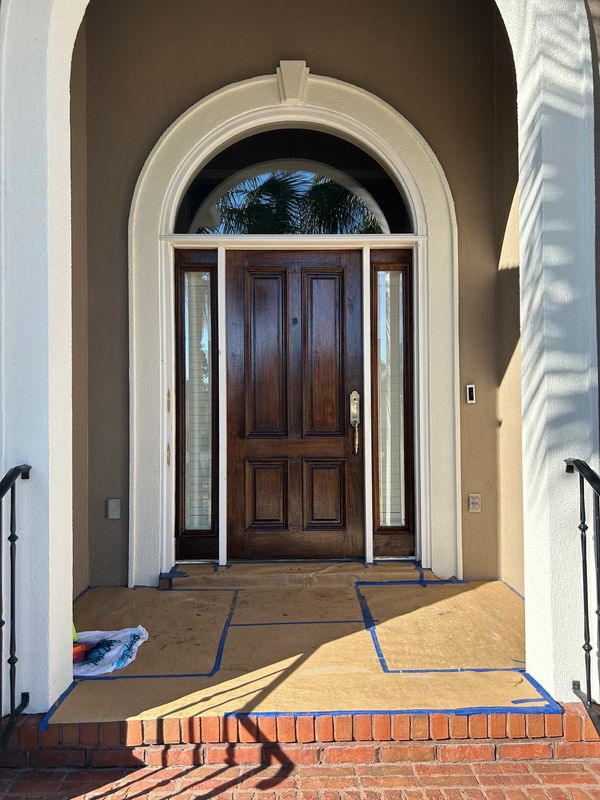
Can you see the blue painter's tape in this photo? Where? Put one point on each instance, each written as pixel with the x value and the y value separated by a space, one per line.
pixel 216 666
pixel 523 700
pixel 556 708
pixel 297 622
pixel 456 712
pixel 54 707
pixel 550 705
pixel 411 583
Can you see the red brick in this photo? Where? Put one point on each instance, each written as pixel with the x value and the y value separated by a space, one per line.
pixel 305 729
pixel 28 735
pixel 573 726
pixel 515 726
pixel 150 731
pixel 171 730
pixel 290 755
pixel 229 730
pixel 57 758
pixel 459 727
pixel 553 725
pixel 324 729
pixel 577 749
pixel 439 724
pixel 207 728
pixel 50 737
pixel 115 758
pixel 69 735
pixel 355 754
pixel 465 752
pixel 518 751
pixel 286 729
pixel 10 760
pixel 497 726
pixel 342 728
pixel 362 730
pixel 568 779
pixel 478 726
pixel 590 734
pixel 183 756
pixel 154 756
pixel 401 727
pixel 535 726
pixel 267 729
pixel 382 727
pixel 191 730
pixel 248 729
pixel 407 752
pixel 111 734
pixel 90 734
pixel 233 754
pixel 419 726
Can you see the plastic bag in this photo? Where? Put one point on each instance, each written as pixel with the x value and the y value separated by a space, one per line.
pixel 112 650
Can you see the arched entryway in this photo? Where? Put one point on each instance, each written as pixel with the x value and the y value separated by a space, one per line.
pixel 555 105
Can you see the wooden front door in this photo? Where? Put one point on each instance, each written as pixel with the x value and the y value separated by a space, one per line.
pixel 294 355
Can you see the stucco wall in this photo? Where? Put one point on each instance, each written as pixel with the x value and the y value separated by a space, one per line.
pixel 446 67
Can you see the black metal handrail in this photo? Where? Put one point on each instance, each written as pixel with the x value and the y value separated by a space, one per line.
pixel 588 477
pixel 8 484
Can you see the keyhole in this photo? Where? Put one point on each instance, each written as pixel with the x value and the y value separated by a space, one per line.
pixel 295 321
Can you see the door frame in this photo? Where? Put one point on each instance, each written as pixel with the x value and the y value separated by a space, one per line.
pixel 293 96
pixel 417 244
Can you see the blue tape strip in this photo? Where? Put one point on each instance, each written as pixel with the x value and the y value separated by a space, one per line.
pixel 457 712
pixel 54 707
pixel 523 700
pixel 421 573
pixel 556 708
pixel 297 622
pixel 216 666
pixel 549 707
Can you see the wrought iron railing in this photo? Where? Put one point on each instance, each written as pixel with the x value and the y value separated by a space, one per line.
pixel 589 478
pixel 8 484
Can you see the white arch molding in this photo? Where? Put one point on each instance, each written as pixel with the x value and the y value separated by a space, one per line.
pixel 557 260
pixel 228 115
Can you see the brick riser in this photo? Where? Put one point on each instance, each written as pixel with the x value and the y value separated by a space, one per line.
pixel 305 740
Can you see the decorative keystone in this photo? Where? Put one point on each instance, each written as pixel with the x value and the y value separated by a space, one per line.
pixel 292 78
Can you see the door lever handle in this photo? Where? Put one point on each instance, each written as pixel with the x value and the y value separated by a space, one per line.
pixel 355 418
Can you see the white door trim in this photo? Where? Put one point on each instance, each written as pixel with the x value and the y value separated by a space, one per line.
pixel 226 243
pixel 230 114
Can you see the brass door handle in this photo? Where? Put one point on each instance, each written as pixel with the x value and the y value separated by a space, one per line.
pixel 355 418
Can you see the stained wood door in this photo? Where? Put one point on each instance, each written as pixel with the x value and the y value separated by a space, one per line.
pixel 294 355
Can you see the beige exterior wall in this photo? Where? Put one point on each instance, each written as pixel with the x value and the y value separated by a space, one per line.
pixel 446 67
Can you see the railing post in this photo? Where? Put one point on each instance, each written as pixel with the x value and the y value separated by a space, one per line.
pixel 8 485
pixel 12 659
pixel 587 647
pixel 596 526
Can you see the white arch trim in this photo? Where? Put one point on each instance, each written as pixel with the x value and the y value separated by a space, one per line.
pixel 230 114
pixel 550 40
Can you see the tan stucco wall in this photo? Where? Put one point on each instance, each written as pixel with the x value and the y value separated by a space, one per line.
pixel 81 568
pixel 147 61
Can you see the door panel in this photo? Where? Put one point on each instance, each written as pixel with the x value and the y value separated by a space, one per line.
pixel 323 353
pixel 294 354
pixel 266 334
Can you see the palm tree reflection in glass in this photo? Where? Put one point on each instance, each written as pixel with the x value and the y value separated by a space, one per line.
pixel 281 202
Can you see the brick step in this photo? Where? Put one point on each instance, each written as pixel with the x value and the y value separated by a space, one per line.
pixel 316 740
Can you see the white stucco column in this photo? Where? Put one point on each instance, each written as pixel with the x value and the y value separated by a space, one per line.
pixel 550 39
pixel 36 43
